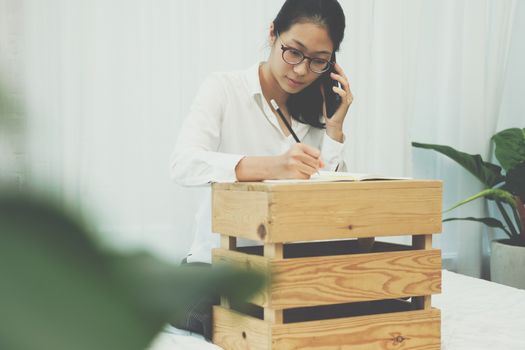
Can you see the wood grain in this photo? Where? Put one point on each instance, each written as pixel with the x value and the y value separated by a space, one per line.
pixel 410 330
pixel 249 263
pixel 290 213
pixel 240 214
pixel 325 280
pixel 283 213
pixel 351 278
pixel 234 331
pixel 354 213
pixel 422 242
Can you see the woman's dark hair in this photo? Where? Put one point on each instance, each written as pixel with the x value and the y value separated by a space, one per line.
pixel 306 106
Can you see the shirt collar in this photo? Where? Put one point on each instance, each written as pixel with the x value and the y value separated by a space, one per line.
pixel 254 83
pixel 254 87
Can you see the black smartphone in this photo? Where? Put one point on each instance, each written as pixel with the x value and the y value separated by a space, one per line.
pixel 332 99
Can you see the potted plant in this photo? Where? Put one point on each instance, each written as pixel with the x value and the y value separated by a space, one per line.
pixel 505 186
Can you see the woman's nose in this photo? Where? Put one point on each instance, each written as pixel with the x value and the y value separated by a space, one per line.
pixel 301 68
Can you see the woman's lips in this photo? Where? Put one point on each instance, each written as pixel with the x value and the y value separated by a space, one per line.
pixel 294 83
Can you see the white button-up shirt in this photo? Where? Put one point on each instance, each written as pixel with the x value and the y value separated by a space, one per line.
pixel 230 119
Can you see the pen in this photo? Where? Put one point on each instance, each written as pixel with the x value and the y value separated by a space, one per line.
pixel 276 107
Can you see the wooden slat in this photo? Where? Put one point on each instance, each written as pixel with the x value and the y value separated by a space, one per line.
pixel 248 262
pixel 234 331
pixel 272 252
pixel 354 213
pixel 327 211
pixel 323 186
pixel 240 213
pixel 351 278
pixel 423 302
pixel 339 279
pixel 411 330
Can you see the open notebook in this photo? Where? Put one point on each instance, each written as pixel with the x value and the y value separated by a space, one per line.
pixel 333 176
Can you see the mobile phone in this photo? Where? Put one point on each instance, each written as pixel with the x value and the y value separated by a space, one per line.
pixel 332 99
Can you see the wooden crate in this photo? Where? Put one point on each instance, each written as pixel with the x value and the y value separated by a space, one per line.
pixel 331 286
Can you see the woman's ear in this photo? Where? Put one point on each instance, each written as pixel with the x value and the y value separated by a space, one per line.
pixel 272 36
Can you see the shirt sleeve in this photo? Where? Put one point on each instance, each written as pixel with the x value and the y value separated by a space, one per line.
pixel 195 160
pixel 332 154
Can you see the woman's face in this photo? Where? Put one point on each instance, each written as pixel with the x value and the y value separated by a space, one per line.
pixel 313 41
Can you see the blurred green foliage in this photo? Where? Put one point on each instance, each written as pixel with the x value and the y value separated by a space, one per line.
pixel 62 290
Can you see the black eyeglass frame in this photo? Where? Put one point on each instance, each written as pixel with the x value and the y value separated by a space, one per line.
pixel 285 48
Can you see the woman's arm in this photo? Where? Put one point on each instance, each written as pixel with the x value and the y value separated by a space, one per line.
pixel 195 160
pixel 300 162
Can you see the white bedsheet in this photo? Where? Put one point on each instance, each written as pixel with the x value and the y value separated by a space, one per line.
pixel 176 339
pixel 480 315
pixel 476 315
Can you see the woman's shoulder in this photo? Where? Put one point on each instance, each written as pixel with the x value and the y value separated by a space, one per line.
pixel 237 79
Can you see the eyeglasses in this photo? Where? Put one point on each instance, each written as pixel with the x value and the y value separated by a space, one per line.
pixel 294 56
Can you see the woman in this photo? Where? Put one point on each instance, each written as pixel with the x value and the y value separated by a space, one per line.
pixel 233 134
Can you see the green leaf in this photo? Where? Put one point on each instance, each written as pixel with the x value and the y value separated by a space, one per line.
pixel 165 291
pixel 56 290
pixel 502 196
pixel 487 173
pixel 506 217
pixel 492 194
pixel 66 292
pixel 516 181
pixel 510 147
pixel 491 222
pixel 469 199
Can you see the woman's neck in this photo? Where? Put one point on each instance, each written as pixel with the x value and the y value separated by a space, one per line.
pixel 270 87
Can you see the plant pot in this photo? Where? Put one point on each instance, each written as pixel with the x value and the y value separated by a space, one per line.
pixel 507 264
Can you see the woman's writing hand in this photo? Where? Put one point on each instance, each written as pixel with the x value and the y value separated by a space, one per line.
pixel 299 162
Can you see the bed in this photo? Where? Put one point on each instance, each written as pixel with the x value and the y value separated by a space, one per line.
pixel 476 315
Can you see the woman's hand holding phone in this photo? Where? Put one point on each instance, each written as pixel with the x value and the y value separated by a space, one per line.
pixel 334 123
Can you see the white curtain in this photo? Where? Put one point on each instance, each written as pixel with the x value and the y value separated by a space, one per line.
pixel 460 73
pixel 108 83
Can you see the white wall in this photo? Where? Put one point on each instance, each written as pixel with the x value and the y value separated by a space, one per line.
pixel 106 85
pixel 512 111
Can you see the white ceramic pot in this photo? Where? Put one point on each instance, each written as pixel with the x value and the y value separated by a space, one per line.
pixel 507 264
